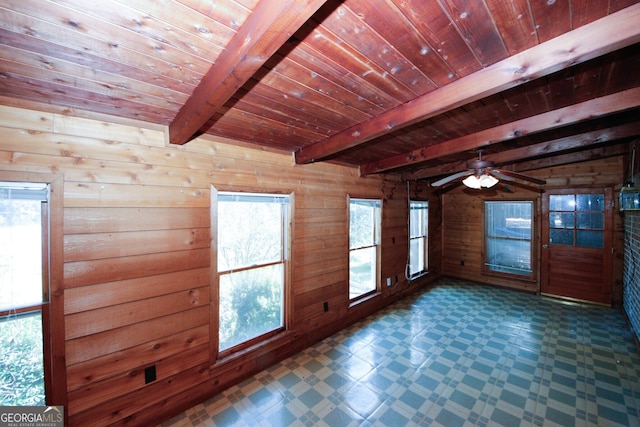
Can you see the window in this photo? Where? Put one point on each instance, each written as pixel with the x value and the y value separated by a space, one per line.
pixel 364 244
pixel 253 234
pixel 508 231
pixel 577 220
pixel 418 237
pixel 23 291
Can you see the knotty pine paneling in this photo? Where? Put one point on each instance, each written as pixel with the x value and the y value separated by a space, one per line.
pixel 138 251
pixel 82 273
pixel 112 317
pixel 113 245
pixel 109 341
pixel 94 394
pixel 131 359
pixel 462 235
pixel 462 220
pixel 85 298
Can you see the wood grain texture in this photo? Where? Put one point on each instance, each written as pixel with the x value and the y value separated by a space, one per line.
pixel 462 218
pixel 564 116
pixel 136 256
pixel 291 75
pixel 538 61
pixel 258 37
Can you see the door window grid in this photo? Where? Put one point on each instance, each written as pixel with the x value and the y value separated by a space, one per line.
pixel 576 220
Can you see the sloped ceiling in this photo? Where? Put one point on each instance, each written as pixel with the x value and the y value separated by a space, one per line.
pixel 393 86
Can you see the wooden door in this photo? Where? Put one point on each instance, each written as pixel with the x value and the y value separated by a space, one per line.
pixel 577 244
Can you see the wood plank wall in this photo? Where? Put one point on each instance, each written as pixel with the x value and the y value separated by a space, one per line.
pixel 137 256
pixel 462 220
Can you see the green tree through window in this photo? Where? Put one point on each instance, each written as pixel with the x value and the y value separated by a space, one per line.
pixel 21 293
pixel 252 255
pixel 364 243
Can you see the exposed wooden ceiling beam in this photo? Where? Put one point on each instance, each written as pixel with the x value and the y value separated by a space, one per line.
pixel 266 29
pixel 587 110
pixel 569 158
pixel 595 39
pixel 547 148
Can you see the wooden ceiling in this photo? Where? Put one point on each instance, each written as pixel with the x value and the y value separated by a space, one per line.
pixel 396 86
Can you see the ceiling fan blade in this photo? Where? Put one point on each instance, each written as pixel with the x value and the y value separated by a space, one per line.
pixel 450 178
pixel 510 176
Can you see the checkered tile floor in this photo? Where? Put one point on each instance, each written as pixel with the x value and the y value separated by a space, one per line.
pixel 455 355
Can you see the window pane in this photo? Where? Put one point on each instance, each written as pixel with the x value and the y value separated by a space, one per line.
pixel 362 227
pixel 364 217
pixel 590 239
pixel 509 256
pixel 21 286
pixel 417 256
pixel 562 202
pixel 415 229
pixel 251 303
pixel 418 216
pixel 508 229
pixel 20 253
pixel 561 237
pixel 590 202
pixel 591 221
pixel 21 359
pixel 418 235
pixel 249 233
pixel 561 219
pixel 508 219
pixel 362 271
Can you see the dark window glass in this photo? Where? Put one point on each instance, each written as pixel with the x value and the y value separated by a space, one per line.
pixel 561 237
pixel 591 221
pixel 590 239
pixel 562 202
pixel 508 231
pixel 561 220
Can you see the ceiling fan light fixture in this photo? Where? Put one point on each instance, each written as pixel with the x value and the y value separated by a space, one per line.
pixel 472 181
pixel 488 181
pixel 480 181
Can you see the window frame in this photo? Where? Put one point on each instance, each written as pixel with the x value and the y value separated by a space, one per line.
pixel 285 255
pixel 376 244
pixel 486 266
pixel 424 237
pixel 38 194
pixel 53 318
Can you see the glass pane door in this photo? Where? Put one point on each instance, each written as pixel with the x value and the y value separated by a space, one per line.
pixel 576 256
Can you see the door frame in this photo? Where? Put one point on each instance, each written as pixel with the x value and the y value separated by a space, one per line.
pixel 608 237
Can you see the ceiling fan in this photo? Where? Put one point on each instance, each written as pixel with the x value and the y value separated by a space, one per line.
pixel 483 174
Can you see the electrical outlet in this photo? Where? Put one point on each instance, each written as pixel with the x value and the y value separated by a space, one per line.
pixel 149 374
